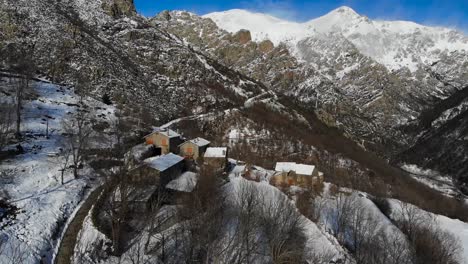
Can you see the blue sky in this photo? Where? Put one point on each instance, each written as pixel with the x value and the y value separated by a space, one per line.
pixel 451 13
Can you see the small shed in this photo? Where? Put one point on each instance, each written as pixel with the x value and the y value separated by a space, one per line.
pixel 291 173
pixel 216 157
pixel 166 139
pixel 158 170
pixel 194 148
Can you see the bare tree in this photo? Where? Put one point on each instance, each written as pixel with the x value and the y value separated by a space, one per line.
pixel 117 209
pixel 283 228
pixel 411 218
pixel 23 64
pixel 66 153
pixel 310 205
pixel 154 220
pixel 136 254
pixel 203 214
pixel 6 122
pixel 78 131
pixel 430 244
pixel 242 244
pixel 343 209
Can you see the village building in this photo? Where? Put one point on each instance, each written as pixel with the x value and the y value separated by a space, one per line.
pixel 216 157
pixel 158 170
pixel 291 173
pixel 165 139
pixel 194 148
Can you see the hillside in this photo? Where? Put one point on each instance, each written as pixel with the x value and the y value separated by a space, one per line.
pixel 385 99
pixel 382 122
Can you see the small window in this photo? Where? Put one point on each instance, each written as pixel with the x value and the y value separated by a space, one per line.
pixel 164 142
pixel 189 150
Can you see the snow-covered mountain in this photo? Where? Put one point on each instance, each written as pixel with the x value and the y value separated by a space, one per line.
pixel 382 82
pixel 395 44
pixel 337 93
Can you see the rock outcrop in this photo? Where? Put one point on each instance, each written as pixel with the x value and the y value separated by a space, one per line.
pixel 119 8
pixel 266 46
pixel 243 36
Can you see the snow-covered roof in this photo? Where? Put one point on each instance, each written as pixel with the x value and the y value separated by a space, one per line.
pixel 302 169
pixel 166 132
pixel 184 183
pixel 162 163
pixel 169 133
pixel 218 152
pixel 201 142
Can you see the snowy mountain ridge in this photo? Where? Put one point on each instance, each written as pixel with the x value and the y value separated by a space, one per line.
pixel 395 44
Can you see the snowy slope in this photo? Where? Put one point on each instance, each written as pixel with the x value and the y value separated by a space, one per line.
pixel 261 26
pixel 395 44
pixel 31 181
pixel 456 227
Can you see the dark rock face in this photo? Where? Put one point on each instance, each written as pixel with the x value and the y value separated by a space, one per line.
pixel 119 8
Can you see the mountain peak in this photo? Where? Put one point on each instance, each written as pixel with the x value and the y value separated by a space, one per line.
pixel 345 10
pixel 344 13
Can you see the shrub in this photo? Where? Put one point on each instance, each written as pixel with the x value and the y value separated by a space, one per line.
pixel 106 99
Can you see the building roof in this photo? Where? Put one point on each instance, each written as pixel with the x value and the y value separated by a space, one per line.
pixel 164 131
pixel 169 133
pixel 302 169
pixel 184 183
pixel 219 152
pixel 162 163
pixel 201 142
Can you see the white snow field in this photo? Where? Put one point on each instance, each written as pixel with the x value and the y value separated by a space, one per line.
pixel 31 181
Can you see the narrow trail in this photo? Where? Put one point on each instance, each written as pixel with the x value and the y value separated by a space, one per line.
pixel 67 244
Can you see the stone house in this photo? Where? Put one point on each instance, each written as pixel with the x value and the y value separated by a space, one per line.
pixel 165 139
pixel 291 173
pixel 194 148
pixel 216 158
pixel 158 170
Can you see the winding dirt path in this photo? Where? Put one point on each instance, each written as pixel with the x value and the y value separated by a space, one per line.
pixel 67 244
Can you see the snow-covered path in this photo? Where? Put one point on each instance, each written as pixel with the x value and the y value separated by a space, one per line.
pixel 67 244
